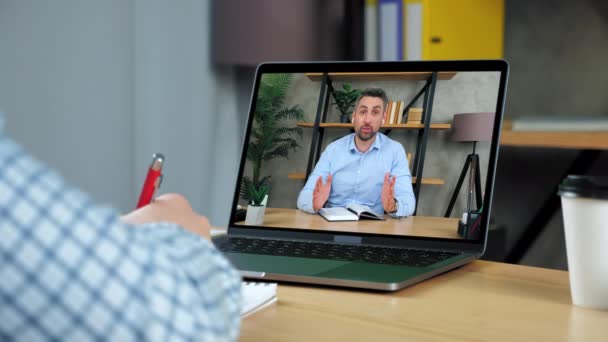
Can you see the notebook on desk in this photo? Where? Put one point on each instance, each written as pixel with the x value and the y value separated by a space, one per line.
pixel 256 296
pixel 296 137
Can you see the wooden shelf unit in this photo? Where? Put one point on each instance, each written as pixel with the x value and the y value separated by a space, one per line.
pixel 422 129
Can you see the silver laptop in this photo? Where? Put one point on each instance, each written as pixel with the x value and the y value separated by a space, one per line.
pixel 374 175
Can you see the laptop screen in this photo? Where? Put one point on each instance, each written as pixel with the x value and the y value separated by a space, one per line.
pixel 398 153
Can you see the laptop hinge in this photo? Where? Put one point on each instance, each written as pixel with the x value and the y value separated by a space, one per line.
pixel 347 239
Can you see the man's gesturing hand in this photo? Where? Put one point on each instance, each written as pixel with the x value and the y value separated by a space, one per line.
pixel 388 193
pixel 321 193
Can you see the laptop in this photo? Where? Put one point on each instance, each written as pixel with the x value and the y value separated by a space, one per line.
pixel 427 166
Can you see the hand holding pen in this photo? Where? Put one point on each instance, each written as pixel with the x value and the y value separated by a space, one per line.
pixel 153 180
pixel 172 208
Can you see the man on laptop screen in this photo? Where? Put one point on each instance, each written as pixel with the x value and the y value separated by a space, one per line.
pixel 370 168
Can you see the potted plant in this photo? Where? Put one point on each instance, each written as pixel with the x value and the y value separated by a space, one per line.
pixel 345 101
pixel 257 204
pixel 270 138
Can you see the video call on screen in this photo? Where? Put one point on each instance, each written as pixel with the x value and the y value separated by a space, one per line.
pixel 310 125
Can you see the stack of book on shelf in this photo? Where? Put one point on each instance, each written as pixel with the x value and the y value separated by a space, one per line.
pixel 395 115
pixel 393 112
pixel 414 116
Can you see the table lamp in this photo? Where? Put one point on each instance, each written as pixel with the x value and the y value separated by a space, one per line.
pixel 470 127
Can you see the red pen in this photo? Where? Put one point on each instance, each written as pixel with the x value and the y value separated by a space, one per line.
pixel 153 180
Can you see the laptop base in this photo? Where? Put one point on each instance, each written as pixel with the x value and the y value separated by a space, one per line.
pixel 336 272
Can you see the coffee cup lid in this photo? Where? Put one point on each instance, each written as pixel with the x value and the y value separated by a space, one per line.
pixel 584 186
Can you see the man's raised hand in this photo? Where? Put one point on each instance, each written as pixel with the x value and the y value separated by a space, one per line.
pixel 321 192
pixel 388 193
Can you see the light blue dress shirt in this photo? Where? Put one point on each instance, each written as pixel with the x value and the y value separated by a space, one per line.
pixel 70 270
pixel 358 177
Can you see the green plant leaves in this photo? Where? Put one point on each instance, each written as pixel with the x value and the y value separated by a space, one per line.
pixel 269 137
pixel 346 98
pixel 257 194
pixel 248 189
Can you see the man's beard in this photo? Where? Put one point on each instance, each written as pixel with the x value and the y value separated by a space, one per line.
pixel 366 136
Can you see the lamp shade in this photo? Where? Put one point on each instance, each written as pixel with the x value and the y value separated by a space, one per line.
pixel 472 127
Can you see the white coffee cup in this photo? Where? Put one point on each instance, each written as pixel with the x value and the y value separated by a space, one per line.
pixel 585 209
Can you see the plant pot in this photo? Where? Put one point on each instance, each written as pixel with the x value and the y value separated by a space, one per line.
pixel 344 118
pixel 255 215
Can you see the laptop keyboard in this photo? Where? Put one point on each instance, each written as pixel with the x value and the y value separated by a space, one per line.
pixel 319 250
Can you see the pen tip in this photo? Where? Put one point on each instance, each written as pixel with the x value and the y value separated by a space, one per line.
pixel 157 161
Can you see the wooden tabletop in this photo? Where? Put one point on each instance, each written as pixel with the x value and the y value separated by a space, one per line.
pixel 555 139
pixel 413 225
pixel 482 301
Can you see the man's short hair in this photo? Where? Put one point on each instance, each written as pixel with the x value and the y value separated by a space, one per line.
pixel 373 92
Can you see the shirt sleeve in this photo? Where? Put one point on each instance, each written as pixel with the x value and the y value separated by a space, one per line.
pixel 192 290
pixel 71 270
pixel 322 169
pixel 404 193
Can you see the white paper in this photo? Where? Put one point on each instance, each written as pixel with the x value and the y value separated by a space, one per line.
pixel 256 296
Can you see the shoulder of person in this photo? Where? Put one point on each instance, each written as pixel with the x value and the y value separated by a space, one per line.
pixel 391 144
pixel 394 148
pixel 340 143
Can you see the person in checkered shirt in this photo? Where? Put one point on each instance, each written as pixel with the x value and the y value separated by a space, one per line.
pixel 72 270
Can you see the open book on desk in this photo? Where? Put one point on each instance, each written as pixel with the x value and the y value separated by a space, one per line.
pixel 256 296
pixel 352 212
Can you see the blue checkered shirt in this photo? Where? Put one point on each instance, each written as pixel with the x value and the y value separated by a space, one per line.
pixel 72 271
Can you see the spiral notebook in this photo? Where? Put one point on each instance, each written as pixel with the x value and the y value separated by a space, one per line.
pixel 256 296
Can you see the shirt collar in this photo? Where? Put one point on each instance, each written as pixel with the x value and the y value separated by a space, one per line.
pixel 377 144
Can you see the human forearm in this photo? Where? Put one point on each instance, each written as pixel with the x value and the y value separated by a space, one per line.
pixel 305 201
pixel 200 283
pixel 404 192
pixel 406 204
